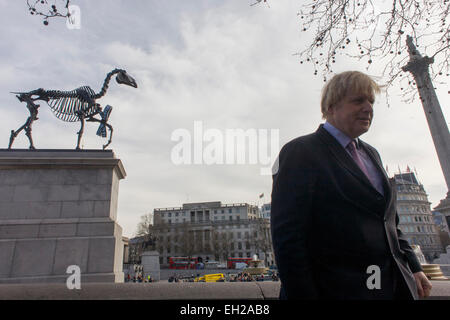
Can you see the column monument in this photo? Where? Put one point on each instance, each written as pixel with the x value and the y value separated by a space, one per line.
pixel 418 66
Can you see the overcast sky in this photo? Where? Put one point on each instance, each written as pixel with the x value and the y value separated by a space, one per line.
pixel 225 64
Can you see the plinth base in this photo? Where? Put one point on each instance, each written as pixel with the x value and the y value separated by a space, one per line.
pixel 433 272
pixel 58 209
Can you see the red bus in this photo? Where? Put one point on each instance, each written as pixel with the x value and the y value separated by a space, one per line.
pixel 182 263
pixel 231 262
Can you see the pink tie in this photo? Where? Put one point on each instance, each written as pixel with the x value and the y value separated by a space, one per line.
pixel 355 155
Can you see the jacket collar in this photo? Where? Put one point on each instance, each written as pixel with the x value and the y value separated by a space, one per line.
pixel 341 137
pixel 343 157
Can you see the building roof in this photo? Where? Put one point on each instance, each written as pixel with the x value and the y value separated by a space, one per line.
pixel 406 178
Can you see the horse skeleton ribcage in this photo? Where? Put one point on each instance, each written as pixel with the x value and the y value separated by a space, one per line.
pixel 67 105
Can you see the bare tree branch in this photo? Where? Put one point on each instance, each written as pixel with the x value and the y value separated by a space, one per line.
pixel 48 10
pixel 371 31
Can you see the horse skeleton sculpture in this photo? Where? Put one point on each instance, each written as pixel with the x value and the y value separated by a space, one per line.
pixel 70 106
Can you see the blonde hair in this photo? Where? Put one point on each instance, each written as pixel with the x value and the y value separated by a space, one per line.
pixel 342 84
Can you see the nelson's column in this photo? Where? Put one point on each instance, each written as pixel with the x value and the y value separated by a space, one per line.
pixel 418 67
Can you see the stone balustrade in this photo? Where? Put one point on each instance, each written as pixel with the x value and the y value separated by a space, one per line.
pixel 164 290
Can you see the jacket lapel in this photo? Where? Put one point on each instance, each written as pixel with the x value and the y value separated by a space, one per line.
pixel 342 156
pixel 386 185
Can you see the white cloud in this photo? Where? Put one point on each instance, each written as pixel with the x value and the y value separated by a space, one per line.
pixel 227 64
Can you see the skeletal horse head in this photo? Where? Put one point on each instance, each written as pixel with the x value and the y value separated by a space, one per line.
pixel 124 78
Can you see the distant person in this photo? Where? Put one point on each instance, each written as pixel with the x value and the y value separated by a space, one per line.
pixel 333 216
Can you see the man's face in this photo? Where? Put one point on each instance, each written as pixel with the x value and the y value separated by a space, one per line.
pixel 352 115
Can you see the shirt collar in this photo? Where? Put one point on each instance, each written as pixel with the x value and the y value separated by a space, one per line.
pixel 341 137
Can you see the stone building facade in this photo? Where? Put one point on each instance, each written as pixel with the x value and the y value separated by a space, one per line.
pixel 416 219
pixel 442 225
pixel 212 231
pixel 265 210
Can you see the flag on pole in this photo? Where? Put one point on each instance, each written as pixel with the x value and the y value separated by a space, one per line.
pixel 408 169
pixel 261 195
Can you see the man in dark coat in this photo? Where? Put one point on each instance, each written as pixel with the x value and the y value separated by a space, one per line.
pixel 333 216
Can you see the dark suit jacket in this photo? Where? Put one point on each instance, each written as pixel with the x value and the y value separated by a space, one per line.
pixel 329 224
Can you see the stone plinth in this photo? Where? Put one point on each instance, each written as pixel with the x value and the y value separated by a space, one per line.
pixel 150 264
pixel 58 208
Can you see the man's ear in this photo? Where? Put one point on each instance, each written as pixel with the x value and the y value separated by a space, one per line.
pixel 330 110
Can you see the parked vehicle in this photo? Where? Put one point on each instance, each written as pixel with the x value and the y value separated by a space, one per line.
pixel 216 277
pixel 232 262
pixel 183 263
